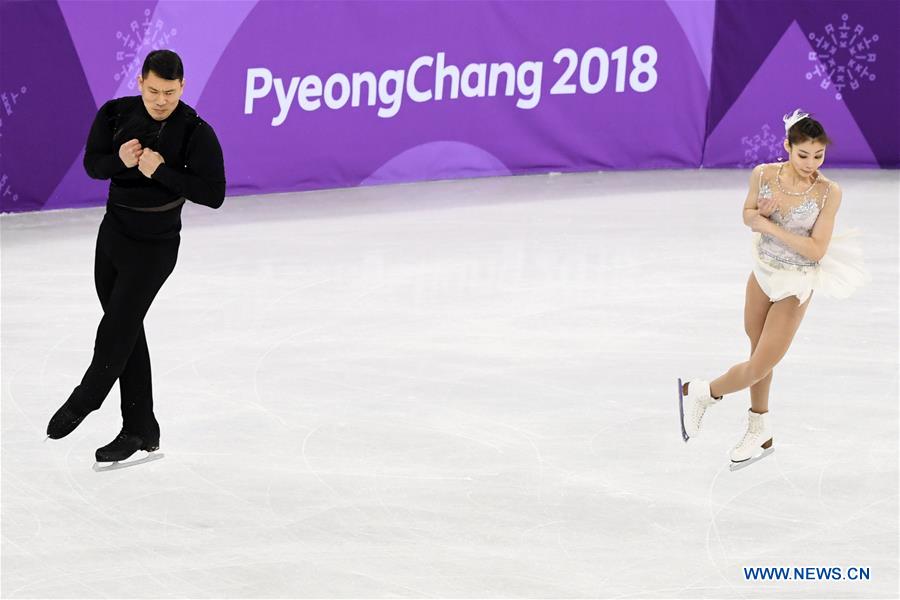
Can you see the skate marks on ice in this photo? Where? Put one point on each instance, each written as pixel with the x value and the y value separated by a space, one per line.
pixel 591 472
pixel 125 464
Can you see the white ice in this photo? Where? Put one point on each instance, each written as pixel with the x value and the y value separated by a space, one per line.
pixel 460 389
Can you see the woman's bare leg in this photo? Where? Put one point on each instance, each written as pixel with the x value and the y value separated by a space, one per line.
pixel 782 321
pixel 756 309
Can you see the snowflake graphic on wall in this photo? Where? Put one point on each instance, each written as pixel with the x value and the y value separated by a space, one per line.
pixel 762 147
pixel 137 41
pixel 8 101
pixel 842 57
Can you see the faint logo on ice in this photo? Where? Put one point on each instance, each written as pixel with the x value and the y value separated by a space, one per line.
pixel 137 41
pixel 9 101
pixel 762 147
pixel 842 57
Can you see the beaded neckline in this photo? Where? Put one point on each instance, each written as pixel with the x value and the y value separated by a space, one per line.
pixel 784 191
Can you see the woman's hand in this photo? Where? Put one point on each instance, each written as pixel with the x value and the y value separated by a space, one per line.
pixel 761 224
pixel 766 206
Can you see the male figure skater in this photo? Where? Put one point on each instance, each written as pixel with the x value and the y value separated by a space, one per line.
pixel 158 154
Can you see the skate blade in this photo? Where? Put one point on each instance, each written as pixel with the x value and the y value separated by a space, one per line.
pixel 737 466
pixel 113 466
pixel 684 434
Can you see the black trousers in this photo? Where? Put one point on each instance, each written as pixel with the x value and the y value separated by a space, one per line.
pixel 136 253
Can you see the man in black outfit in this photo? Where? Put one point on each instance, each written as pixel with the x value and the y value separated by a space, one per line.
pixel 157 153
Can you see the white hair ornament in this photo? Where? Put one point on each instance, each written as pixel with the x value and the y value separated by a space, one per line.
pixel 792 119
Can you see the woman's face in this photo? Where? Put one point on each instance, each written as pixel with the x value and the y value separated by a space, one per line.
pixel 806 157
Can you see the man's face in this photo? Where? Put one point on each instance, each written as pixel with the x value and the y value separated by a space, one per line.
pixel 160 95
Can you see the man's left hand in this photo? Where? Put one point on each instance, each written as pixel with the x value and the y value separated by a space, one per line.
pixel 149 161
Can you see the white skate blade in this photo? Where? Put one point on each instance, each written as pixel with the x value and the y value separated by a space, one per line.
pixel 737 466
pixel 684 434
pixel 113 466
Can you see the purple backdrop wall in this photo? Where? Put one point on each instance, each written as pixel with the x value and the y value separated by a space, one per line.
pixel 308 95
pixel 839 60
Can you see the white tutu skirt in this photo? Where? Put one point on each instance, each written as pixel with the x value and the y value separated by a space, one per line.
pixel 840 272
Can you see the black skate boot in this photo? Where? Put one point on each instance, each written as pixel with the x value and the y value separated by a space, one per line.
pixel 124 446
pixel 67 418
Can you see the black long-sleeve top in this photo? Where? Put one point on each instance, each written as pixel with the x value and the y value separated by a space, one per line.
pixel 193 168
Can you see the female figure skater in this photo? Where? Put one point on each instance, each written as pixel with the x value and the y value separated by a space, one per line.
pixel 791 207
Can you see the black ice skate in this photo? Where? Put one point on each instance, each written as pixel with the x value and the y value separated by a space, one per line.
pixel 66 419
pixel 110 456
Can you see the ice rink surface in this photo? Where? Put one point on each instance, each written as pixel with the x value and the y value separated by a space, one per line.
pixel 461 389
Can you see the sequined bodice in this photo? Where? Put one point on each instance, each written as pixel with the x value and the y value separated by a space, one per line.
pixel 797 212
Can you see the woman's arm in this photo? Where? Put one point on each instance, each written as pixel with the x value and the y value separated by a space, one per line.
pixel 752 204
pixel 814 246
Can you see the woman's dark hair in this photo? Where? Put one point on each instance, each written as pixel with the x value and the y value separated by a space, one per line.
pixel 165 64
pixel 807 129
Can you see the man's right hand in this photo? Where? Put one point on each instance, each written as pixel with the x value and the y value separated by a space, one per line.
pixel 130 152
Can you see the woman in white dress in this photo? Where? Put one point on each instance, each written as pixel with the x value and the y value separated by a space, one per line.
pixel 791 208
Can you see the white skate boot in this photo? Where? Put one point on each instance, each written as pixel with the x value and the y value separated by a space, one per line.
pixel 692 406
pixel 756 444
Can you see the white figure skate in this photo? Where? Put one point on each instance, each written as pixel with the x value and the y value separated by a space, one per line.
pixel 756 444
pixel 692 407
